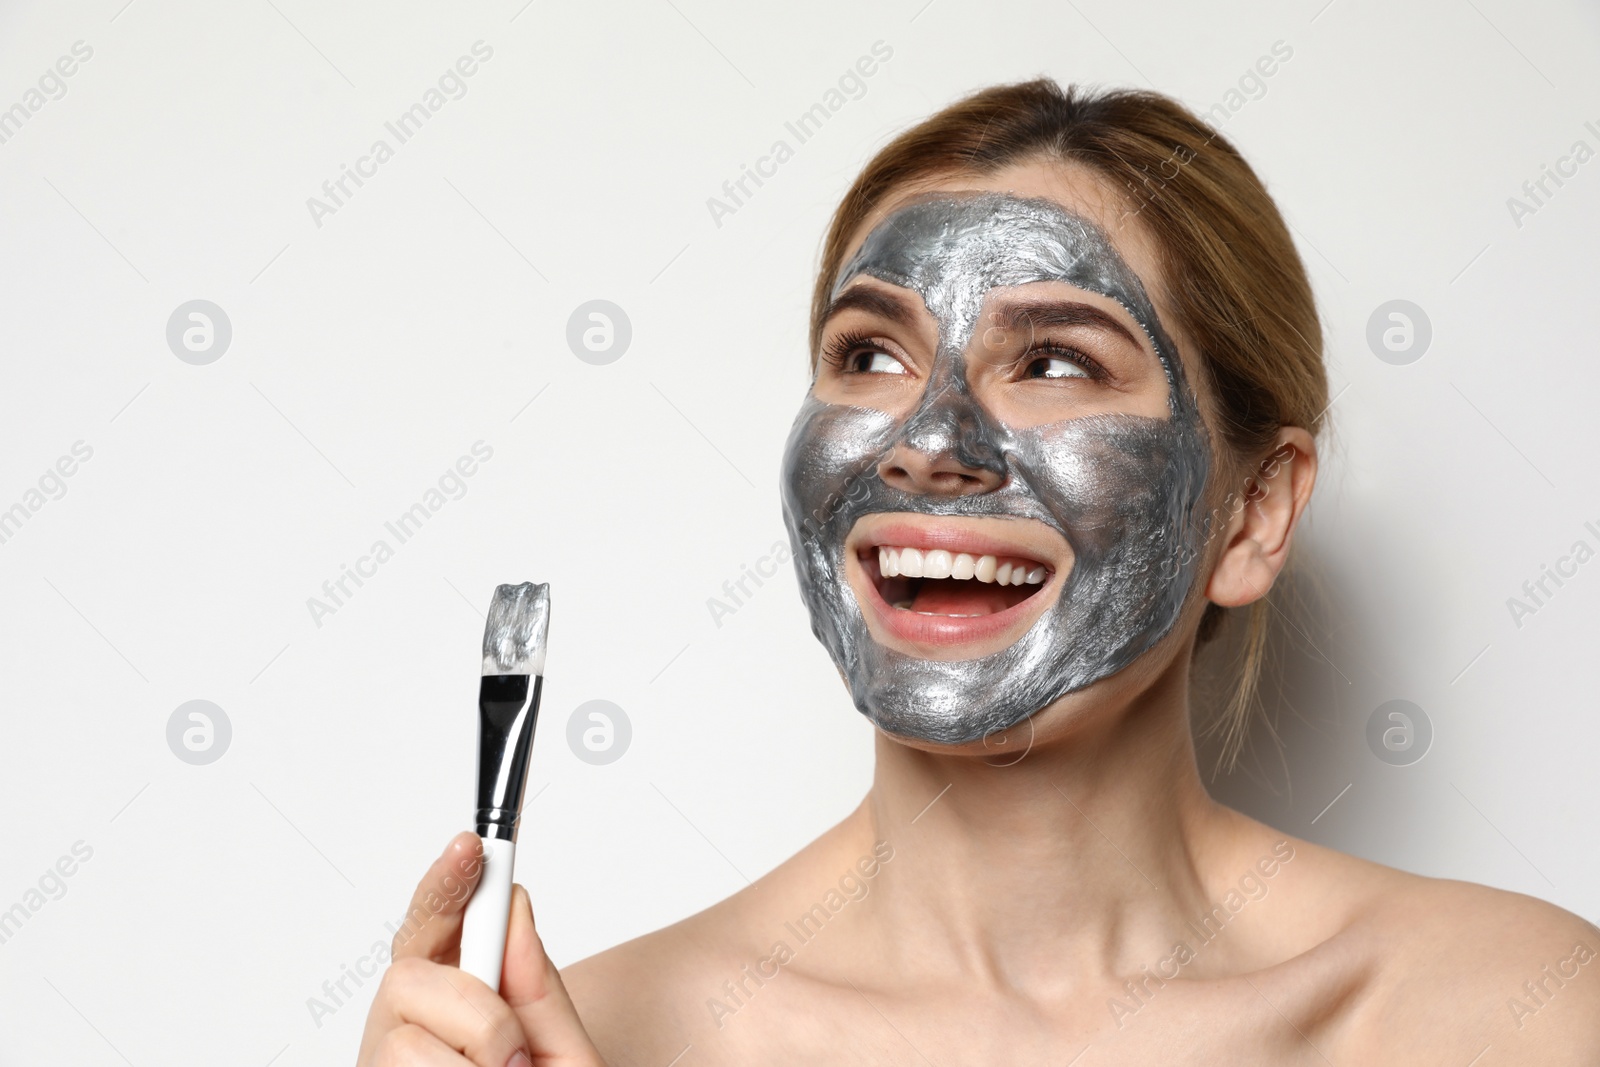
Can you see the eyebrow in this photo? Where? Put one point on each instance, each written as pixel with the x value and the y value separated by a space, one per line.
pixel 1036 314
pixel 1044 314
pixel 874 302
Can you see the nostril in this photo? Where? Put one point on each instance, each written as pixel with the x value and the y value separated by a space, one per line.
pixel 952 480
pixel 896 476
pixel 950 472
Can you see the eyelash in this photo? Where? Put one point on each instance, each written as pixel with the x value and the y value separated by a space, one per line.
pixel 837 353
pixel 1087 364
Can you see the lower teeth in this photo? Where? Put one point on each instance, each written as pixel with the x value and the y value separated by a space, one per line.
pixel 905 605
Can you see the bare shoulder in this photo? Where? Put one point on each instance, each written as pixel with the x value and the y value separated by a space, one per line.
pixel 1513 973
pixel 647 1000
pixel 1434 965
pixel 631 997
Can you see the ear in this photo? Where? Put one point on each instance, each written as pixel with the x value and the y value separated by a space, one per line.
pixel 1262 517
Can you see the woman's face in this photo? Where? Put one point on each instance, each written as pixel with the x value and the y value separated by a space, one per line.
pixel 995 489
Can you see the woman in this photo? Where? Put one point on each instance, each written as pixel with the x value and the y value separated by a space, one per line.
pixel 1068 377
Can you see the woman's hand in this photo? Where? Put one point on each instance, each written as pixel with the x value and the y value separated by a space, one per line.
pixel 430 1013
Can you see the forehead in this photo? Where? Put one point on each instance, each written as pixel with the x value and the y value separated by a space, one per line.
pixel 1073 187
pixel 979 240
pixel 952 246
pixel 1080 192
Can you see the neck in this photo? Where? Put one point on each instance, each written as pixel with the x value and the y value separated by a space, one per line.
pixel 1091 849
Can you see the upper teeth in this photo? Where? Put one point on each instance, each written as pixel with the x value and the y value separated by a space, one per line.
pixel 937 563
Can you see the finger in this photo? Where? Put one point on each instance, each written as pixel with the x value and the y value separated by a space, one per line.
pixel 432 927
pixel 532 987
pixel 454 1007
pixel 412 1046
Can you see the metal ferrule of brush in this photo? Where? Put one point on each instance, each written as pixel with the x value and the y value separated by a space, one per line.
pixel 508 709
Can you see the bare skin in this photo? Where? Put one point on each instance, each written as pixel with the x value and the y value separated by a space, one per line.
pixel 1066 890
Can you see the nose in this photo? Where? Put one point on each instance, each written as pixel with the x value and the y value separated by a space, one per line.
pixel 949 447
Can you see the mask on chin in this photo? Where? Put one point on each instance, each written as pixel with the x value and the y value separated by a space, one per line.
pixel 1125 491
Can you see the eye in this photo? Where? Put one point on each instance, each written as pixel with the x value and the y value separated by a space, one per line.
pixel 1050 365
pixel 868 361
pixel 860 353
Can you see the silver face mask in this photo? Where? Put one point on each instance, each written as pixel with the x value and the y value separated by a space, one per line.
pixel 1125 491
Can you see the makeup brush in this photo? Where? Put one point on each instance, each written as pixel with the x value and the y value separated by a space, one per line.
pixel 508 707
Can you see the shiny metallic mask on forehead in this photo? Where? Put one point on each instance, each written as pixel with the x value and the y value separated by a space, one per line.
pixel 1125 491
pixel 953 250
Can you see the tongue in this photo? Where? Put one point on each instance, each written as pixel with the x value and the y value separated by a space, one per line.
pixel 947 596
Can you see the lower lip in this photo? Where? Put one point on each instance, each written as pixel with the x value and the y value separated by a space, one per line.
pixel 946 630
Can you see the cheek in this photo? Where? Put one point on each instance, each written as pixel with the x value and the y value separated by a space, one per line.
pixel 831 450
pixel 1116 482
pixel 1125 490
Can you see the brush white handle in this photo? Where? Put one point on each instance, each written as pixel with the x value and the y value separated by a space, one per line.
pixel 483 926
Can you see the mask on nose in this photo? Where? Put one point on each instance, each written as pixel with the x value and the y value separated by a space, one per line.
pixel 1125 491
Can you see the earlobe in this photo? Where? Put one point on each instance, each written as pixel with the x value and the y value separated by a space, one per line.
pixel 1259 533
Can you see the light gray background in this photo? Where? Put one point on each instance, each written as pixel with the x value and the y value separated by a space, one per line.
pixel 430 312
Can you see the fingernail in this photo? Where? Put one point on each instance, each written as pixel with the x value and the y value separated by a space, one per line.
pixel 519 1059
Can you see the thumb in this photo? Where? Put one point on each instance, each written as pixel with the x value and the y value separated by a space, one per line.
pixel 533 988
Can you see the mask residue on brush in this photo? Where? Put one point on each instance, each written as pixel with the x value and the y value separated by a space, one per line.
pixel 515 630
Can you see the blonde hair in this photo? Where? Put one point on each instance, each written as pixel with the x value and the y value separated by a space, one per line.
pixel 1233 275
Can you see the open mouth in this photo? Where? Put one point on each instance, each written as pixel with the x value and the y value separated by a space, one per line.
pixel 963 585
pixel 941 588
